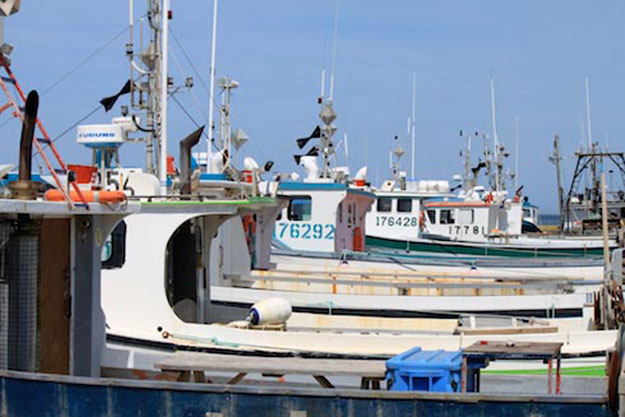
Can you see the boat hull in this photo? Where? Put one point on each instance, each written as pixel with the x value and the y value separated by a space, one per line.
pixel 481 249
pixel 26 395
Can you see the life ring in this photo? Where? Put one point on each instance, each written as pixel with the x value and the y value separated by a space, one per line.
pixel 90 196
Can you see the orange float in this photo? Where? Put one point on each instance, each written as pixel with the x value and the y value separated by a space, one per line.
pixel 90 196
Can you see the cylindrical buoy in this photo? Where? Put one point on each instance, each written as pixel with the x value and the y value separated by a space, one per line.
pixel 270 311
pixel 90 196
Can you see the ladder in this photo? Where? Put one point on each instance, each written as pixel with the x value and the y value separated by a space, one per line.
pixel 39 142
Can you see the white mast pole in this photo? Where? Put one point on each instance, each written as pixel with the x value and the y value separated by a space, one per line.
pixel 516 157
pixel 131 17
pixel 211 94
pixel 495 138
pixel 163 138
pixel 412 126
pixel 588 115
pixel 323 85
pixel 336 26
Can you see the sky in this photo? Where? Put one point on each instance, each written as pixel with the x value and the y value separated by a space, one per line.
pixel 538 52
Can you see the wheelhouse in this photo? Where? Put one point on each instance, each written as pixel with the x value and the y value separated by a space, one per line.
pixel 322 217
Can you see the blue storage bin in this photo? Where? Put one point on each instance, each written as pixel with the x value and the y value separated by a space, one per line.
pixel 429 370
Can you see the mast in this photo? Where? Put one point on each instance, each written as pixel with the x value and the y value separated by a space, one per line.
pixel 211 94
pixel 589 125
pixel 495 136
pixel 145 88
pixel 412 124
pixel 516 157
pixel 327 114
pixel 164 81
pixel 467 181
pixel 556 159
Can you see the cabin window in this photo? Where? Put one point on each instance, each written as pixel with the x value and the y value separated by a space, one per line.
pixel 465 216
pixel 526 212
pixel 300 209
pixel 114 248
pixel 447 217
pixel 404 205
pixel 340 213
pixel 431 216
pixel 385 205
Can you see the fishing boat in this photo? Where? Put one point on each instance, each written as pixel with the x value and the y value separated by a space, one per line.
pixel 142 287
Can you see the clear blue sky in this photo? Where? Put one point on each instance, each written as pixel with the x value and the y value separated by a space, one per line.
pixel 538 51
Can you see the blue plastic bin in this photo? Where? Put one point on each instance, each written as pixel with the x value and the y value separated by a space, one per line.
pixel 429 370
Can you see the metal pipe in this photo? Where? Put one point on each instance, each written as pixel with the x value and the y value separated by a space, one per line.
pixel 211 94
pixel 185 160
pixel 28 132
pixel 162 170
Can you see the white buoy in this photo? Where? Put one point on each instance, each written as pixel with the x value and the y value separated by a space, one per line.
pixel 270 311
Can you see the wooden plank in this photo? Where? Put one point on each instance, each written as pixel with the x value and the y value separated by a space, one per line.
pixel 272 365
pixel 54 299
pixel 508 330
pixel 237 378
pixel 323 381
pixel 506 350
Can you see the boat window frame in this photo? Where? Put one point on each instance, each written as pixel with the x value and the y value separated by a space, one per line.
pixel 385 199
pixel 431 213
pixel 117 240
pixel 289 211
pixel 462 210
pixel 447 219
pixel 401 200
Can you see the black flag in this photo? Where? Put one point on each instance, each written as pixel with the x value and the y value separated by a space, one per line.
pixel 303 141
pixel 109 102
pixel 314 151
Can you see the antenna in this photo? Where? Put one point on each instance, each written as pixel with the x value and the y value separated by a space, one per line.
pixel 412 126
pixel 336 25
pixel 323 85
pixel 495 137
pixel 211 94
pixel 164 82
pixel 345 146
pixel 589 125
pixel 516 157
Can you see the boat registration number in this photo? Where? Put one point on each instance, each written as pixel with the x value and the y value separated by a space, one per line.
pixel 305 231
pixel 399 221
pixel 465 230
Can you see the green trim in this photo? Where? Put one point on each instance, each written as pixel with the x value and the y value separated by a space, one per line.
pixel 478 249
pixel 597 371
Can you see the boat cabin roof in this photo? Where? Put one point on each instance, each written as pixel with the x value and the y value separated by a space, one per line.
pixel 322 186
pixel 453 202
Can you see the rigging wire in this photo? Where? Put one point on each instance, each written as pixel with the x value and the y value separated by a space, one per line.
pixel 88 58
pixel 66 131
pixel 197 73
pixel 196 100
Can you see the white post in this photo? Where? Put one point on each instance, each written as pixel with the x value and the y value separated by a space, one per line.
pixel 588 115
pixel 211 94
pixel 336 25
pixel 130 16
pixel 516 157
pixel 412 126
pixel 495 138
pixel 163 138
pixel 323 85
